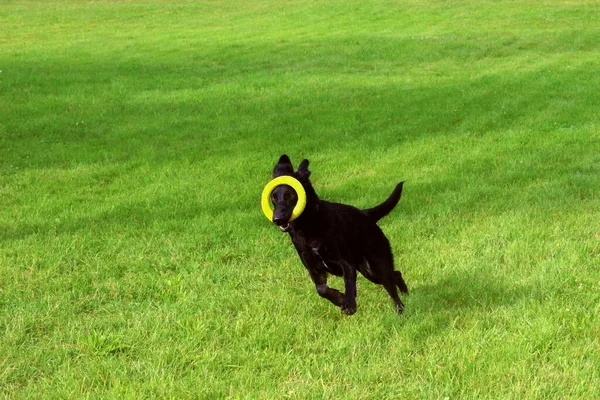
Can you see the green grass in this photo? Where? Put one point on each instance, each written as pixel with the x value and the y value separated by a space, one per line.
pixel 136 137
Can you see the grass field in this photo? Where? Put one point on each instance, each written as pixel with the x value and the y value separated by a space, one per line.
pixel 136 137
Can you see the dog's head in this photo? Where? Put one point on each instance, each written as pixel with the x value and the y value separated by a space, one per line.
pixel 284 197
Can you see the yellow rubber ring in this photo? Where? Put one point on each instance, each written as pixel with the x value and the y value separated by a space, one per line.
pixel 283 180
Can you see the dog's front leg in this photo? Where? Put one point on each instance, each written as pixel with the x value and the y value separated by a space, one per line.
pixel 319 277
pixel 349 304
pixel 333 295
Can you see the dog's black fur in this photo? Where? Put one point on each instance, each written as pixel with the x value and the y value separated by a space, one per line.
pixel 338 239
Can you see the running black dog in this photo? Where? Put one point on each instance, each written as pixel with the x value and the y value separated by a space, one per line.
pixel 338 239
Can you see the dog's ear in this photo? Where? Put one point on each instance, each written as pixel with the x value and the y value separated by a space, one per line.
pixel 283 167
pixel 303 171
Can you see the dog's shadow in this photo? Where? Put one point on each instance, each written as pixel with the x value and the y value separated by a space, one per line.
pixel 459 291
pixel 434 308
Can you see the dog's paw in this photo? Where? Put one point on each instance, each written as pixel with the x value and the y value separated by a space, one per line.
pixel 348 309
pixel 399 309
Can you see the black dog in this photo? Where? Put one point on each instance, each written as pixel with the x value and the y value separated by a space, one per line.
pixel 338 239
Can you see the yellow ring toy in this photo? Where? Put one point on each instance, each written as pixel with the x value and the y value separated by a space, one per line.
pixel 283 180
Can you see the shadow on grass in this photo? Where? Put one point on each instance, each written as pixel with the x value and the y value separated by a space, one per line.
pixel 464 292
pixel 159 113
pixel 434 309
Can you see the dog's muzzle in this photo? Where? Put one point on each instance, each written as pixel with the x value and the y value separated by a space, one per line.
pixel 283 224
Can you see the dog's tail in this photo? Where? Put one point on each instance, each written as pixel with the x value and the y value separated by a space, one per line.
pixel 380 211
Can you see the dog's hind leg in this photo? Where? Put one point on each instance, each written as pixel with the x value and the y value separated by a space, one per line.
pixel 400 282
pixel 383 273
pixel 391 289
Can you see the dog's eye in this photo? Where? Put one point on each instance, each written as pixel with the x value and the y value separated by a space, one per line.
pixel 273 199
pixel 290 196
